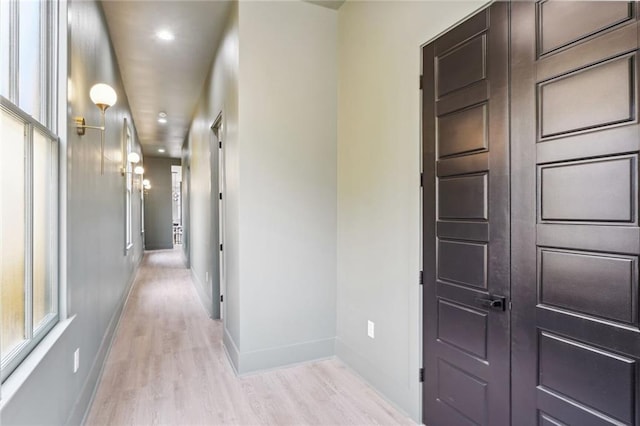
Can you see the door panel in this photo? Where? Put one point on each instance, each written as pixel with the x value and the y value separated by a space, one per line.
pixel 466 222
pixel 463 197
pixel 601 190
pixel 593 17
pixel 575 240
pixel 463 327
pixel 573 280
pixel 597 96
pixel 561 371
pixel 463 131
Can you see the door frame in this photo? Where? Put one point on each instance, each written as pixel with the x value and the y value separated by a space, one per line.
pixel 218 176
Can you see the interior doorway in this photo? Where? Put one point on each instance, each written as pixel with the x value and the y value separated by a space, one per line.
pixel 176 205
pixel 218 203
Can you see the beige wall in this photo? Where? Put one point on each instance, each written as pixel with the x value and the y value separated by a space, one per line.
pixel 378 187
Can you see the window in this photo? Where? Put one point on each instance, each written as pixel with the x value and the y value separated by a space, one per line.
pixel 28 49
pixel 28 234
pixel 28 178
pixel 129 188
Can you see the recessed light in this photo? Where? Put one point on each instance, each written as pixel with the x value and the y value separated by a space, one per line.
pixel 165 35
pixel 161 150
pixel 162 120
pixel 162 114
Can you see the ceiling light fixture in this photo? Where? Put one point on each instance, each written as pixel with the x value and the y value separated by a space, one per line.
pixel 165 35
pixel 162 120
pixel 139 170
pixel 103 96
pixel 161 150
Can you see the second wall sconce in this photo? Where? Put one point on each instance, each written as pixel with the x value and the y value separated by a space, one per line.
pixel 133 157
pixel 146 186
pixel 104 97
pixel 139 170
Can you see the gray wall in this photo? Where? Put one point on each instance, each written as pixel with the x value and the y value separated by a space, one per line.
pixel 280 198
pixel 158 225
pixel 219 95
pixel 287 187
pixel 98 270
pixel 186 199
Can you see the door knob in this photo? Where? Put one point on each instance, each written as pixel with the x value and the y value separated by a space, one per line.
pixel 493 302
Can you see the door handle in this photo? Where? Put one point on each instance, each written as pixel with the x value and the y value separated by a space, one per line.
pixel 497 303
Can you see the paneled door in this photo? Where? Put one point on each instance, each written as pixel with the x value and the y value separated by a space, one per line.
pixel 466 223
pixel 575 238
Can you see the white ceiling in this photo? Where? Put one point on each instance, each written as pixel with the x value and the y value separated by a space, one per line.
pixel 167 76
pixel 160 75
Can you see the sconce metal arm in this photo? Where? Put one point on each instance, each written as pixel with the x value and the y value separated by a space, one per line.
pixel 81 126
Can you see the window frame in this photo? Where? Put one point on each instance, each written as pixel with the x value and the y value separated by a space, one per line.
pixel 48 47
pixel 51 125
pixel 33 335
pixel 128 189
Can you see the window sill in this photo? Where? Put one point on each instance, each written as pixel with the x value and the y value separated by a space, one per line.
pixel 22 373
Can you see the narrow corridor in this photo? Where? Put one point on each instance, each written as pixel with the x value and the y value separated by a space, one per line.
pixel 167 366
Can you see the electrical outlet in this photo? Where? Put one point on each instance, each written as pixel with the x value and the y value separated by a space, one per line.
pixel 76 360
pixel 371 329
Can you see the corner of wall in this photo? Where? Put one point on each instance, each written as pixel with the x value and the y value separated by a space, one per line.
pixel 268 359
pixel 397 392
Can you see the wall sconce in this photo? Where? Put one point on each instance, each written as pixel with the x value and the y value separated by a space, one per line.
pixel 133 157
pixel 104 97
pixel 139 171
pixel 146 185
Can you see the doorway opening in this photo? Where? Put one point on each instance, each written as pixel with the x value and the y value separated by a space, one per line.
pixel 218 202
pixel 176 205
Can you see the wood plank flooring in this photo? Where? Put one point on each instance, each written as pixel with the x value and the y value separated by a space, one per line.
pixel 167 366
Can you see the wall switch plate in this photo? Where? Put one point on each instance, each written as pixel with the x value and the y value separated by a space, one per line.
pixel 371 329
pixel 76 360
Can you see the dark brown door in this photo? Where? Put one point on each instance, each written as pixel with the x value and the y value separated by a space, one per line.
pixel 575 240
pixel 466 223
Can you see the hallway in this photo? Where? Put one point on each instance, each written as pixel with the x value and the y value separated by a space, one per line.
pixel 167 366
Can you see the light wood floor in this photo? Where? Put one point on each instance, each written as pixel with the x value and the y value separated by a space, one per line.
pixel 167 366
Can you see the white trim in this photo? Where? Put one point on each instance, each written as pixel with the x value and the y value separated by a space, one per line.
pixel 61 115
pixel 252 362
